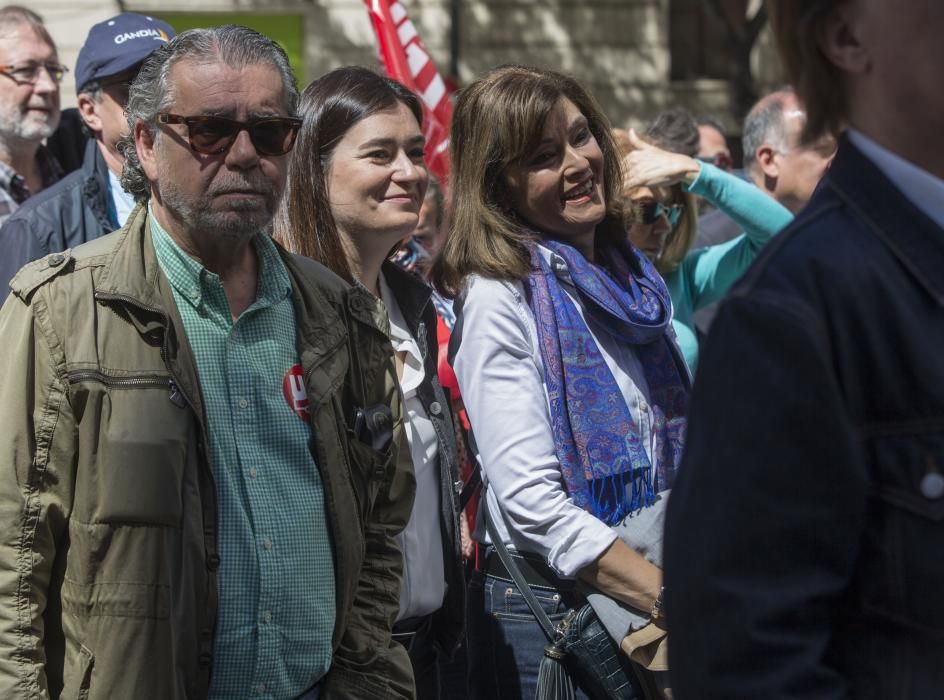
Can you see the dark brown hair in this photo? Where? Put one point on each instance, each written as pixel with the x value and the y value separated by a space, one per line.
pixel 498 120
pixel 796 25
pixel 329 107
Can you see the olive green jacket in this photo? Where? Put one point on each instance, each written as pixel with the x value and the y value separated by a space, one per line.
pixel 108 553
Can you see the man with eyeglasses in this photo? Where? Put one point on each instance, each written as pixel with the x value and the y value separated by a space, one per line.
pixel 89 202
pixel 30 73
pixel 199 495
pixel 778 162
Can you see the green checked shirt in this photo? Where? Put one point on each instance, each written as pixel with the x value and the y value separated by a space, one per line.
pixel 276 575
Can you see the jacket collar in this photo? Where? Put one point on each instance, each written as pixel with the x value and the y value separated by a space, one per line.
pixel 411 293
pixel 913 238
pixel 133 273
pixel 95 187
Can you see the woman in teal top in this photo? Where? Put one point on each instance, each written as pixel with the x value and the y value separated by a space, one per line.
pixel 661 186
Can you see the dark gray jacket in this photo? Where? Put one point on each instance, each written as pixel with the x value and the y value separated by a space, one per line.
pixel 73 211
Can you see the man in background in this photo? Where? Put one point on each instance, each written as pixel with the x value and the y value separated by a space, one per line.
pixel 89 202
pixel 30 74
pixel 776 160
pixel 713 143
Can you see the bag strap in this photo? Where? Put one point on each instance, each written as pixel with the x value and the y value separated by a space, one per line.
pixel 475 478
pixel 515 572
pixel 470 487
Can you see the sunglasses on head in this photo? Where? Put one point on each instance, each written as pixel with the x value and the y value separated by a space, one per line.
pixel 650 212
pixel 271 136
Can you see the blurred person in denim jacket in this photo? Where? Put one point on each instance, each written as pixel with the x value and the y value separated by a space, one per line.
pixel 803 538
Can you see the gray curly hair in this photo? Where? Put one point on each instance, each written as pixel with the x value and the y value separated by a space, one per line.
pixel 152 92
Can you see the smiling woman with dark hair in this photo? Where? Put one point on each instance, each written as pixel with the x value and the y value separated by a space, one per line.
pixel 573 383
pixel 356 185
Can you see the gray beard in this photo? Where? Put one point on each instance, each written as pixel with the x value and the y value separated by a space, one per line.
pixel 18 129
pixel 232 227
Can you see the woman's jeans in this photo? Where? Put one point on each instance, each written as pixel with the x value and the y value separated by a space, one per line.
pixel 506 643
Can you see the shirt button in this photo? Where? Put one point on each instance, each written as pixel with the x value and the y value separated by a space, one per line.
pixel 243 403
pixel 932 485
pixel 266 543
pixel 194 293
pixel 643 408
pixel 435 408
pixel 260 689
pixel 56 259
pixel 267 617
pixel 253 472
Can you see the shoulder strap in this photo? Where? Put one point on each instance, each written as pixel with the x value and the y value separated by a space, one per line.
pixel 523 587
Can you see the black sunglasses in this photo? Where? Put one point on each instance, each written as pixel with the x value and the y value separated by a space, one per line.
pixel 650 212
pixel 271 136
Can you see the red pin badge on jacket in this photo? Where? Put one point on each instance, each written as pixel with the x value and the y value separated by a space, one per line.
pixel 293 388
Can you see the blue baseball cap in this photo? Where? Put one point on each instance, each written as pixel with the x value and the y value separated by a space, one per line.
pixel 117 44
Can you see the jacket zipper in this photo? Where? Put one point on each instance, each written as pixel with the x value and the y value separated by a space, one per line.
pixel 108 380
pixel 177 396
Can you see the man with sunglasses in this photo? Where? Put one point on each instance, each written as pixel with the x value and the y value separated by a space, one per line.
pixel 199 490
pixel 89 202
pixel 29 107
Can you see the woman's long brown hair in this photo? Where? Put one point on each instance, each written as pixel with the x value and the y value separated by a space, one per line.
pixel 498 120
pixel 329 107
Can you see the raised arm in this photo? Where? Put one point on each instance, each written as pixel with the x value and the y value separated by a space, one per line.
pixel 708 273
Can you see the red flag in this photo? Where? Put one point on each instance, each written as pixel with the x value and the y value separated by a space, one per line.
pixel 407 61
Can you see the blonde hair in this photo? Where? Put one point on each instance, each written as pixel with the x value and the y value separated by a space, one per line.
pixel 498 120
pixel 680 240
pixel 819 84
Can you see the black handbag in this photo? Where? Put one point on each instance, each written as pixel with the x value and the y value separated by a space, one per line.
pixel 580 652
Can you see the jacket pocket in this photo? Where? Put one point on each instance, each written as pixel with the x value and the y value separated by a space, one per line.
pixel 904 578
pixel 135 440
pixel 77 683
pixel 368 471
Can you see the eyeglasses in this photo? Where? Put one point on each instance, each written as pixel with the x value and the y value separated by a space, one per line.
pixel 650 212
pixel 271 136
pixel 28 73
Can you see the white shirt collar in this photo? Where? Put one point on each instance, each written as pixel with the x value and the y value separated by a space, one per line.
pixel 920 187
pixel 124 202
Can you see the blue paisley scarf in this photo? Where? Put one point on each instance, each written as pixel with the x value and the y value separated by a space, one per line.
pixel 603 462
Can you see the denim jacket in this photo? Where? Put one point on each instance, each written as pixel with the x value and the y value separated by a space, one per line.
pixel 805 534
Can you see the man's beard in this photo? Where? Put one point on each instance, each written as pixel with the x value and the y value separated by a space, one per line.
pixel 15 125
pixel 238 222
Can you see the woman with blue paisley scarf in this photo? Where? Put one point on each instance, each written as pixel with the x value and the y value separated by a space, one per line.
pixel 573 382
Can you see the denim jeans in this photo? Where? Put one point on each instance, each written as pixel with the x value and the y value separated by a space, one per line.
pixel 506 644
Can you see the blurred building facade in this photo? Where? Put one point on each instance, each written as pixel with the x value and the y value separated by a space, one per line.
pixel 637 56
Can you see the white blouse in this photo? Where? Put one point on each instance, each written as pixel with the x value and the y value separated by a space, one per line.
pixel 501 375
